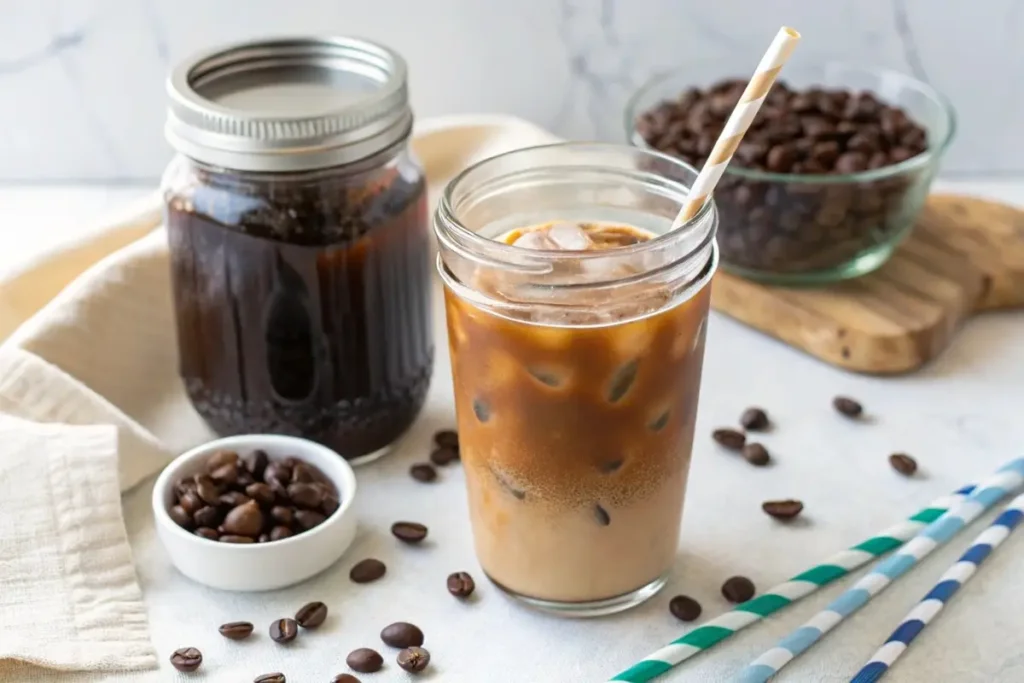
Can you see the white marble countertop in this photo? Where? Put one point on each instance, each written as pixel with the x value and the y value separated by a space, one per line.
pixel 959 416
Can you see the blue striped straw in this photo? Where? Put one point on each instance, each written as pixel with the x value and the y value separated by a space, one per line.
pixel 1006 480
pixel 957 575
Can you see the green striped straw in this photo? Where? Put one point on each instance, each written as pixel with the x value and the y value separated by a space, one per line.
pixel 801 585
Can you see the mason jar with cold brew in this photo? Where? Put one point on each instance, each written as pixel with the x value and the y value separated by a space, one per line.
pixel 576 322
pixel 296 218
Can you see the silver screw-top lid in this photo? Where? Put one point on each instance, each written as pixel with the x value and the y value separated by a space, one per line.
pixel 288 104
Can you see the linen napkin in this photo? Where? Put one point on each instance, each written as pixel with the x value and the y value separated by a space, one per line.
pixel 90 405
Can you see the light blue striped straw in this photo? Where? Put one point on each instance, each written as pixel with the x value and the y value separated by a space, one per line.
pixel 1009 478
pixel 957 575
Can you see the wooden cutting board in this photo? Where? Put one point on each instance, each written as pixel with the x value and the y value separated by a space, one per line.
pixel 964 255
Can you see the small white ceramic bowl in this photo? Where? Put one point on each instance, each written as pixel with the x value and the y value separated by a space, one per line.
pixel 259 566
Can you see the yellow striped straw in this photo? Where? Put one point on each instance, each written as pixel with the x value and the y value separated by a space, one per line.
pixel 739 121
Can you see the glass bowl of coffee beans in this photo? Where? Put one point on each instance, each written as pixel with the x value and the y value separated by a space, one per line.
pixel 829 178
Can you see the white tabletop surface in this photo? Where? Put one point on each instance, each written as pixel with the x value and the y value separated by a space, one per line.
pixel 960 417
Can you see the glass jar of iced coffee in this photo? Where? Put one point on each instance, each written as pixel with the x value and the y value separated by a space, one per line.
pixel 576 322
pixel 296 217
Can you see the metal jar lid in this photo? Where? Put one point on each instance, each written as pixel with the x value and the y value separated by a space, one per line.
pixel 288 104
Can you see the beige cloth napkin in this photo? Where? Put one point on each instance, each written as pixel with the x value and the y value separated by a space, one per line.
pixel 90 405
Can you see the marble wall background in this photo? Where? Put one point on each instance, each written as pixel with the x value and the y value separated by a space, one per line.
pixel 81 81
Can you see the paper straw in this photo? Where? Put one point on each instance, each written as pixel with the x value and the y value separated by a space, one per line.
pixel 803 584
pixel 1006 480
pixel 739 121
pixel 932 603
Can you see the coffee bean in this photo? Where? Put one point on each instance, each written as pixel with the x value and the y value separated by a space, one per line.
pixel 756 454
pixel 302 474
pixel 279 472
pixel 186 659
pixel 847 406
pixel 207 533
pixel 423 472
pixel 276 677
pixel 409 532
pixel 207 516
pixel 305 495
pixel 729 438
pixel 236 630
pixel 282 515
pixel 738 589
pixel 190 502
pixel 233 499
pixel 364 660
pixel 329 505
pixel 367 570
pixel 225 474
pixel 754 420
pixel 244 520
pixel 180 517
pixel 413 659
pixel 283 630
pixel 444 456
pixel 684 608
pixel 220 459
pixel 207 490
pixel 344 678
pixel 903 463
pixel 233 538
pixel 257 463
pixel 261 493
pixel 461 584
pixel 601 515
pixel 279 532
pixel 311 615
pixel 447 438
pixel 402 634
pixel 307 519
pixel 782 509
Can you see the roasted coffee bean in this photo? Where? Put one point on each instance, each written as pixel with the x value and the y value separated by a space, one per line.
pixel 207 490
pixel 345 678
pixel 754 420
pixel 756 454
pixel 276 677
pixel 282 515
pixel 684 608
pixel 367 570
pixel 409 532
pixel 184 486
pixel 279 532
pixel 729 438
pixel 329 505
pixel 244 520
pixel 738 589
pixel 180 517
pixel 207 533
pixel 263 538
pixel 311 615
pixel 257 463
pixel 305 495
pixel 423 472
pixel 225 474
pixel 208 516
pixel 220 459
pixel 232 538
pixel 461 584
pixel 236 630
pixel 402 634
pixel 413 659
pixel 190 501
pixel 283 630
pixel 233 499
pixel 364 660
pixel 302 474
pixel 903 463
pixel 261 493
pixel 307 519
pixel 847 406
pixel 447 438
pixel 186 659
pixel 278 471
pixel 601 515
pixel 782 509
pixel 443 456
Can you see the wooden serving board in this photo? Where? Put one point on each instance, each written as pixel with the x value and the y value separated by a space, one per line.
pixel 964 255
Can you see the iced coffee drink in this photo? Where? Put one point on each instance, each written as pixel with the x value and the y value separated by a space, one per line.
pixel 576 347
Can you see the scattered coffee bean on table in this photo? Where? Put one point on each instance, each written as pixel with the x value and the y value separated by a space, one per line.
pixel 311 615
pixel 684 608
pixel 367 570
pixel 236 630
pixel 847 406
pixel 276 677
pixel 364 660
pixel 447 438
pixel 461 584
pixel 413 659
pixel 738 589
pixel 402 634
pixel 754 420
pixel 409 532
pixel 729 438
pixel 782 509
pixel 444 455
pixel 345 678
pixel 186 659
pixel 423 472
pixel 903 463
pixel 756 454
pixel 283 630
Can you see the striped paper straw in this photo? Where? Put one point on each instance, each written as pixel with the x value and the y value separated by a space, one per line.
pixel 1007 479
pixel 739 121
pixel 957 575
pixel 750 612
